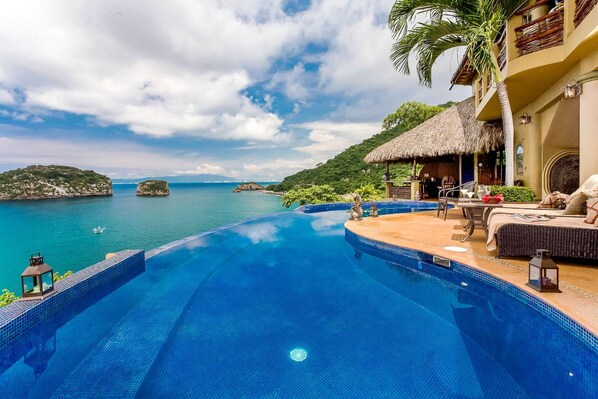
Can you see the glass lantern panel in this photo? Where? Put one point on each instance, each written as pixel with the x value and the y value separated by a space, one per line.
pixel 47 281
pixel 552 275
pixel 534 275
pixel 29 286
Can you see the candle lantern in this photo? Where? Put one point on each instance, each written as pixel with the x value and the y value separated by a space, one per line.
pixel 543 272
pixel 374 210
pixel 37 281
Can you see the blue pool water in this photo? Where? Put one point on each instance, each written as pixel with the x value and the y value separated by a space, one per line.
pixel 219 315
pixel 62 229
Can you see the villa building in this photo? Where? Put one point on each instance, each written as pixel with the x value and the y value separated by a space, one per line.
pixel 548 54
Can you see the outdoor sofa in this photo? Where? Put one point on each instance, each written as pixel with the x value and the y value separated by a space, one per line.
pixel 565 236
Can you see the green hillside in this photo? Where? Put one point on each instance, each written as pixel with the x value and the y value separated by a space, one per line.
pixel 347 171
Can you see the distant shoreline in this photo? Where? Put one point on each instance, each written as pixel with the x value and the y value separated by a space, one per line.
pixel 196 182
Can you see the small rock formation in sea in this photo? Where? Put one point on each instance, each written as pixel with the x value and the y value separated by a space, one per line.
pixel 153 188
pixel 52 181
pixel 251 186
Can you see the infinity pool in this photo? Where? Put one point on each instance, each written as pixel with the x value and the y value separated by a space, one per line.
pixel 285 307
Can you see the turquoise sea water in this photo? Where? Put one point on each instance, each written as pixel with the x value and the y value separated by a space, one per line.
pixel 62 229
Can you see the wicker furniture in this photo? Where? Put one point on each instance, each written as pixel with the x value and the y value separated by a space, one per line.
pixel 522 240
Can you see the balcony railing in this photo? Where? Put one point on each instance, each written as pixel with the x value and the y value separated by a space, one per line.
pixel 502 53
pixel 582 9
pixel 542 33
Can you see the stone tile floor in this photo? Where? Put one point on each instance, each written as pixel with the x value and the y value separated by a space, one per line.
pixel 425 232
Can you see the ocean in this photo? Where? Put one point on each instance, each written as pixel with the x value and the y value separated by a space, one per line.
pixel 61 229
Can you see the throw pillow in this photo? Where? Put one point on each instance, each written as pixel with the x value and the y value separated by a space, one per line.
pixel 552 200
pixel 592 215
pixel 575 204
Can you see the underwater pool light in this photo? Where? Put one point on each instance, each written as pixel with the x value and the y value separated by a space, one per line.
pixel 298 354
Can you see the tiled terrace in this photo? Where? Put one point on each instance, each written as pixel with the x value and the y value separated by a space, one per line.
pixel 423 231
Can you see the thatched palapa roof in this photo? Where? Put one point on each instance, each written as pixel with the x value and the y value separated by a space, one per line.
pixel 455 131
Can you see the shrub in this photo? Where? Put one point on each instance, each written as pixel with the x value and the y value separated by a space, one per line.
pixel 7 297
pixel 369 193
pixel 515 194
pixel 58 277
pixel 310 195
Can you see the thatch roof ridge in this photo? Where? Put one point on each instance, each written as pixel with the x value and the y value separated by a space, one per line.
pixel 454 131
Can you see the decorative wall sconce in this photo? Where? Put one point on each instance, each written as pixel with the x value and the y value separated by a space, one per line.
pixel 572 90
pixel 524 119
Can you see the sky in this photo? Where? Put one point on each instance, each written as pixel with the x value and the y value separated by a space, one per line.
pixel 251 89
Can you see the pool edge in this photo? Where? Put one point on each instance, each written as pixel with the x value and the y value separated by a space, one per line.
pixel 392 251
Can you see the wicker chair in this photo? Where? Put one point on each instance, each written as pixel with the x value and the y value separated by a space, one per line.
pixel 522 240
pixel 447 196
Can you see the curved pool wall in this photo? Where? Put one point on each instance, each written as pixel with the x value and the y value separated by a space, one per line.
pixel 234 301
pixel 506 326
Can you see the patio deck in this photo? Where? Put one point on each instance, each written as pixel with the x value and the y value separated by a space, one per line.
pixel 425 232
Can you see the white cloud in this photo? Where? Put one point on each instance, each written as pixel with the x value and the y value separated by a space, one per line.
pixel 6 97
pixel 296 83
pixel 258 232
pixel 328 138
pixel 159 68
pixel 184 67
pixel 357 66
pixel 107 156
pixel 20 116
pixel 203 168
pixel 122 159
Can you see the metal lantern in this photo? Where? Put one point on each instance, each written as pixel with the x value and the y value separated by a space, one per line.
pixel 525 118
pixel 572 90
pixel 37 281
pixel 543 272
pixel 374 210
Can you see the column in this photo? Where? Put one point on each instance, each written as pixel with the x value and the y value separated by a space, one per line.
pixel 588 130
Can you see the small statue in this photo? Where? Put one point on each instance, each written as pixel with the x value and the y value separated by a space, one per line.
pixel 356 211
pixel 374 210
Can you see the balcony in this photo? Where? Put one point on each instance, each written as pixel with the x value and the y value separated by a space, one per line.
pixel 502 51
pixel 541 33
pixel 582 9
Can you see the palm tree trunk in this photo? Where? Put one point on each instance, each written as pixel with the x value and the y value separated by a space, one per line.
pixel 508 130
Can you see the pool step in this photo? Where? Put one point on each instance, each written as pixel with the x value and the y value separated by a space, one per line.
pixel 117 366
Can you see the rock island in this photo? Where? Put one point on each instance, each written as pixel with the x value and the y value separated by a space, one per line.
pixel 153 188
pixel 251 186
pixel 52 181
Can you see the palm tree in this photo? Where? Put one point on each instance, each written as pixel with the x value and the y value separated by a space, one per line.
pixel 448 24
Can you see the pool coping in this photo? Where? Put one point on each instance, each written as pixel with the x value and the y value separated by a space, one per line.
pixel 19 317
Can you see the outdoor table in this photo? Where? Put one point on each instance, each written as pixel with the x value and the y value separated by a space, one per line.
pixel 471 209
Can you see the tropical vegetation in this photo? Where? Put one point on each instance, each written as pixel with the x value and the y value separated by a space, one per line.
pixel 310 195
pixel 514 194
pixel 347 171
pixel 448 24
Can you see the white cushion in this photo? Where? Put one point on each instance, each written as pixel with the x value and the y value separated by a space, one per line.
pixel 589 184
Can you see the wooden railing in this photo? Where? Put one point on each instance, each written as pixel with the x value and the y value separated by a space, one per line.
pixel 502 52
pixel 542 33
pixel 582 9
